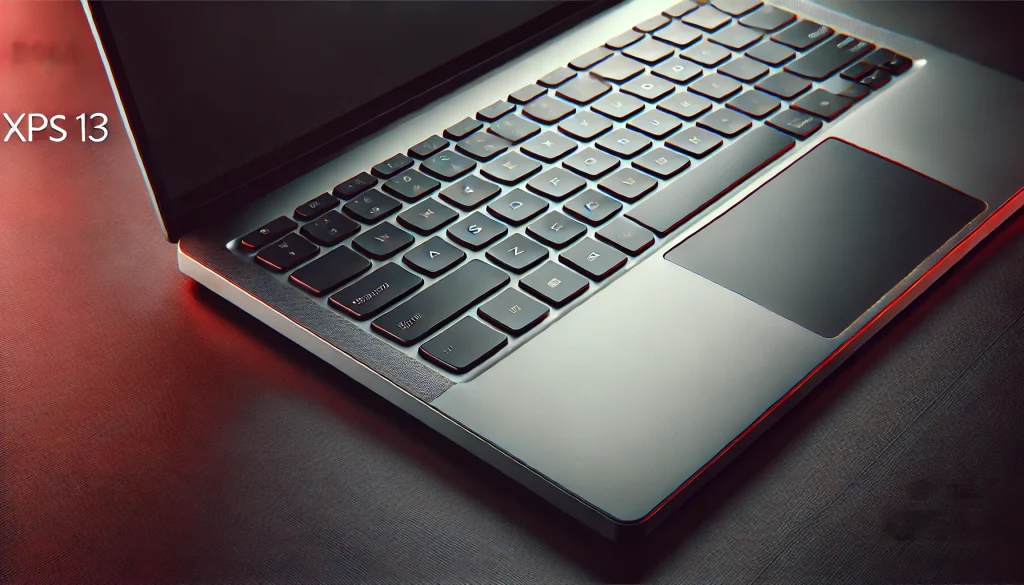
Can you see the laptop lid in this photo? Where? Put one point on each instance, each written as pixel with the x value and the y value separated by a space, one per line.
pixel 227 100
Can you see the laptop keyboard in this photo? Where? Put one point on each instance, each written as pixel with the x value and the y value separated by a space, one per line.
pixel 536 199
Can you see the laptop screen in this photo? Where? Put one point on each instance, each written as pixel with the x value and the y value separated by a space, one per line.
pixel 217 92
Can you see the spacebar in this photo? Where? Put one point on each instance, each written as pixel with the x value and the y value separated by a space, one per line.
pixel 670 207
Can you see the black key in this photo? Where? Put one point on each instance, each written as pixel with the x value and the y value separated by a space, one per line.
pixel 517 253
pixel 680 200
pixel 618 69
pixel 707 18
pixel 652 24
pixel 845 88
pixel 268 233
pixel 548 110
pixel 330 229
pixel 890 61
pixel 726 122
pixel 678 34
pixel 517 207
pixel 526 94
pixel 585 126
pixel 593 259
pixel 754 103
pixel 618 106
pixel 483 146
pixel 411 185
pixel 427 216
pixel 803 35
pixel 372 206
pixel 628 184
pixel 328 273
pixel 744 69
pixel 355 186
pixel 511 168
pixel 514 128
pixel 771 53
pixel 549 146
pixel 678 70
pixel 428 147
pixel 736 37
pixel 625 39
pixel 592 207
pixel 590 163
pixel 823 104
pixel 648 87
pixel 287 253
pixel 590 58
pixel 513 312
pixel 736 7
pixel 554 284
pixel 695 141
pixel 707 54
pixel 649 51
pixel 796 123
pixel 876 79
pixel 785 85
pixel 655 123
pixel 624 143
pixel 375 291
pixel 315 207
pixel 463 346
pixel 470 192
pixel 857 70
pixel 556 230
pixel 685 105
pixel 448 165
pixel 441 302
pixel 494 111
pixel 433 257
pixel 716 86
pixel 477 231
pixel 557 77
pixel 626 236
pixel 556 183
pixel 584 90
pixel 463 128
pixel 768 18
pixel 680 9
pixel 662 163
pixel 392 166
pixel 383 241
pixel 829 57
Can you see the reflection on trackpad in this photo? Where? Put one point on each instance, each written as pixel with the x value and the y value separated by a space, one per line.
pixel 828 237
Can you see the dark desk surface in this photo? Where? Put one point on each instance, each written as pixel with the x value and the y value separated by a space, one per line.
pixel 152 432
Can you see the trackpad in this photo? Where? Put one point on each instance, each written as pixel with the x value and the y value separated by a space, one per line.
pixel 828 237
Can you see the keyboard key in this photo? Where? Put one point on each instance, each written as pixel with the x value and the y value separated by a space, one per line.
pixel 803 35
pixel 785 85
pixel 511 168
pixel 584 90
pixel 372 206
pixel 626 236
pixel 411 185
pixel 590 58
pixel 743 69
pixel 670 207
pixel 890 61
pixel 685 105
pixel 463 129
pixel 618 106
pixel 556 230
pixel 624 143
pixel 433 257
pixel 428 147
pixel 554 284
pixel 593 259
pixel 556 183
pixel 736 37
pixel 696 142
pixel 330 229
pixel 315 207
pixel 328 273
pixel 649 51
pixel 477 231
pixel 557 77
pixel 494 111
pixel 376 291
pixel 590 163
pixel 470 192
pixel 771 53
pixel 383 241
pixel 648 87
pixel 548 110
pixel 463 346
pixel 652 24
pixel 624 40
pixel 829 57
pixel 392 166
pixel 585 126
pixel 707 18
pixel 823 104
pixel 262 236
pixel 716 86
pixel 448 165
pixel 617 69
pixel 628 184
pixel 526 94
pixel 726 122
pixel 754 103
pixel 736 7
pixel 517 253
pixel 441 302
pixel 483 145
pixel 517 207
pixel 796 123
pixel 288 253
pixel 876 79
pixel 427 216
pixel 514 128
pixel 707 54
pixel 592 207
pixel 768 18
pixel 549 146
pixel 655 123
pixel 678 34
pixel 857 70
pixel 680 9
pixel 662 163
pixel 845 88
pixel 678 70
pixel 513 312
pixel 355 186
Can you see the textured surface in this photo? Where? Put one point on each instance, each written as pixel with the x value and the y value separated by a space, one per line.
pixel 151 432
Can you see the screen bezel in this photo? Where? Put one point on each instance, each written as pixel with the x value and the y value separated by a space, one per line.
pixel 256 178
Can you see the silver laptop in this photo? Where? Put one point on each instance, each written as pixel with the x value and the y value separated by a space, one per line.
pixel 601 245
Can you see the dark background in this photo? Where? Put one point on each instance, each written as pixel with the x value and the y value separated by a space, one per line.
pixel 151 432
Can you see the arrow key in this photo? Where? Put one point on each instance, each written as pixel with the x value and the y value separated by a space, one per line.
pixel 433 257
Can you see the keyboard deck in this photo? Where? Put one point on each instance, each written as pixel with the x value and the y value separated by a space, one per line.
pixel 522 210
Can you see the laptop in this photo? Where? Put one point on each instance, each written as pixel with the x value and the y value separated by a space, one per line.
pixel 601 245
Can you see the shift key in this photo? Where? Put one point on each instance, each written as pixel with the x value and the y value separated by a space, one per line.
pixel 375 291
pixel 438 304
